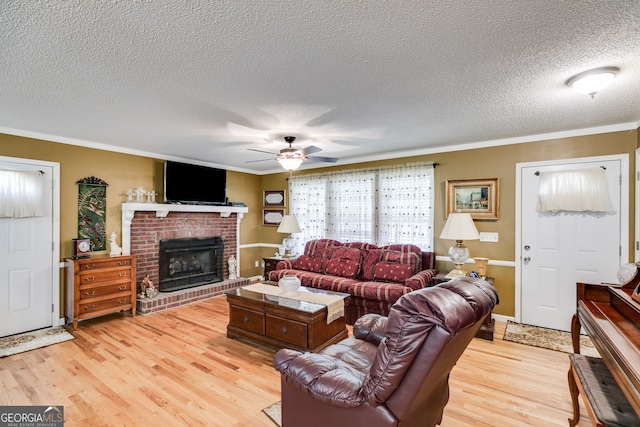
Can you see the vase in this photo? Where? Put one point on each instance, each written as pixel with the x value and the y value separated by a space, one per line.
pixel 481 263
pixel 289 283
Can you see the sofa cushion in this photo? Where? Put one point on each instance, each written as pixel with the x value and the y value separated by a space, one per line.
pixel 360 245
pixel 379 291
pixel 428 260
pixel 345 262
pixel 403 254
pixel 369 260
pixel 323 250
pixel 392 272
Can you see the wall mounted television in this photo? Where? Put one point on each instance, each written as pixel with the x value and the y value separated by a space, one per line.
pixel 194 184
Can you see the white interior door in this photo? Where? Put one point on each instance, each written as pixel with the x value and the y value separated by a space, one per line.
pixel 558 250
pixel 28 288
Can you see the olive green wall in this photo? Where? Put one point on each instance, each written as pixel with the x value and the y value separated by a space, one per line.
pixel 500 162
pixel 124 171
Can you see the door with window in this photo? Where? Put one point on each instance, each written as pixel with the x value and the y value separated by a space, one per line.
pixel 557 250
pixel 27 251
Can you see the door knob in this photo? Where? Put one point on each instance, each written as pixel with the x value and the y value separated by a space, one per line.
pixel 526 259
pixel 527 247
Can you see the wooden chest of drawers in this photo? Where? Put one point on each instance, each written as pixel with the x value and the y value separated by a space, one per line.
pixel 99 285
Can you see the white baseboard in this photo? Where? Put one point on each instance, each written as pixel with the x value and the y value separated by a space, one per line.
pixel 502 318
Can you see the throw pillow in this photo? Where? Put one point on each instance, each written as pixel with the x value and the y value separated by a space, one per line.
pixel 345 262
pixel 392 272
pixel 308 263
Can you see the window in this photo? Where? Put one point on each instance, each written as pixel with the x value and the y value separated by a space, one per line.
pixel 380 206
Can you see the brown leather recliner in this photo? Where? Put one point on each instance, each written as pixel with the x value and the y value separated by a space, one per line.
pixel 393 371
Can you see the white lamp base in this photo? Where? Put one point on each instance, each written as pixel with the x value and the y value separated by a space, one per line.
pixel 288 244
pixel 456 272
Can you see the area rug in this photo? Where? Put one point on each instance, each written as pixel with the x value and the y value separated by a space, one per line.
pixel 31 340
pixel 274 412
pixel 546 338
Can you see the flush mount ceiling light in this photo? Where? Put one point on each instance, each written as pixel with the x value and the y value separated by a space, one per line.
pixel 593 81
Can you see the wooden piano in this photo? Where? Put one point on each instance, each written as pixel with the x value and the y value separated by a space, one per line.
pixel 610 315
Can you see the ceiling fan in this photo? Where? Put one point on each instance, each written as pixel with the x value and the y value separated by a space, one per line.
pixel 291 158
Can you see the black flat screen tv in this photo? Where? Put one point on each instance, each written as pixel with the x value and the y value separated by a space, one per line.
pixel 194 184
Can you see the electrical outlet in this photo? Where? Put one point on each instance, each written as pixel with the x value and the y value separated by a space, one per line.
pixel 489 237
pixel 257 264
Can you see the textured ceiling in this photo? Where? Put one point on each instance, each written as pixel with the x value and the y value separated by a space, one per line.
pixel 204 80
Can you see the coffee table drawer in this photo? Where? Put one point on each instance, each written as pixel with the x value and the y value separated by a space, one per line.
pixel 288 331
pixel 249 320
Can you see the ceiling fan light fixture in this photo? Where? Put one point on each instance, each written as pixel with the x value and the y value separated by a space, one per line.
pixel 290 163
pixel 593 81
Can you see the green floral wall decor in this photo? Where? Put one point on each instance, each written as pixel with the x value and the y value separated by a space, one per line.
pixel 92 211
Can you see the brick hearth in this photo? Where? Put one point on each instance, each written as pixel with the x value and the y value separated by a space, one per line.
pixel 166 300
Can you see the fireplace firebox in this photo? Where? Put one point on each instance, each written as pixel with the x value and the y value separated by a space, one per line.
pixel 190 262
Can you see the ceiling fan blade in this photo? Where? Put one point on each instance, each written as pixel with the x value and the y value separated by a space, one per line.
pixel 322 159
pixel 262 151
pixel 261 160
pixel 310 150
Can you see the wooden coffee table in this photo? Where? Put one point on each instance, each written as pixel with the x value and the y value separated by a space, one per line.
pixel 282 322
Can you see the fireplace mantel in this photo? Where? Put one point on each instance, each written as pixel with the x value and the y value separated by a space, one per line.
pixel 162 210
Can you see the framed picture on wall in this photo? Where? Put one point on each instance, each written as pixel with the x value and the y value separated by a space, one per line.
pixel 272 216
pixel 274 198
pixel 479 197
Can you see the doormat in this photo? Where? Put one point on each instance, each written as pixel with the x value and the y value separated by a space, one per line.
pixel 19 343
pixel 552 339
pixel 274 412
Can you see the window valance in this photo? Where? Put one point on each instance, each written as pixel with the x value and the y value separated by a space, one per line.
pixel 21 194
pixel 580 190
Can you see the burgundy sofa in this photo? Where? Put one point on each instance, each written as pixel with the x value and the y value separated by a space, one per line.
pixel 393 371
pixel 375 277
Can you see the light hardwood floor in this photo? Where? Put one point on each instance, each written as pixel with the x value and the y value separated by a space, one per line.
pixel 178 368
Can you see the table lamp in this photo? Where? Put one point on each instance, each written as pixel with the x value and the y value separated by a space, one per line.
pixel 459 227
pixel 289 224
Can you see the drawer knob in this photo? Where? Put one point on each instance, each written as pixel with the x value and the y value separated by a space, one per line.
pixel 90 294
pixel 123 263
pixel 90 279
pixel 122 301
pixel 89 266
pixel 246 319
pixel 89 307
pixel 122 274
pixel 284 330
pixel 122 288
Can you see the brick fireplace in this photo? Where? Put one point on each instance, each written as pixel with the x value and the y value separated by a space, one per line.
pixel 144 225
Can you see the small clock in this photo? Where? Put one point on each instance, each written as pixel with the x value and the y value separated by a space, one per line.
pixel 81 248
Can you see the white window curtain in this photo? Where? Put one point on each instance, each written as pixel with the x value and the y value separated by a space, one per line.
pixel 406 206
pixel 21 194
pixel 381 206
pixel 580 190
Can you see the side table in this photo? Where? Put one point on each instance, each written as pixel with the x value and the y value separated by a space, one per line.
pixel 486 330
pixel 270 263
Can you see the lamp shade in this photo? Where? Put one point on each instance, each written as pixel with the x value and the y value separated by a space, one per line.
pixel 459 226
pixel 289 224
